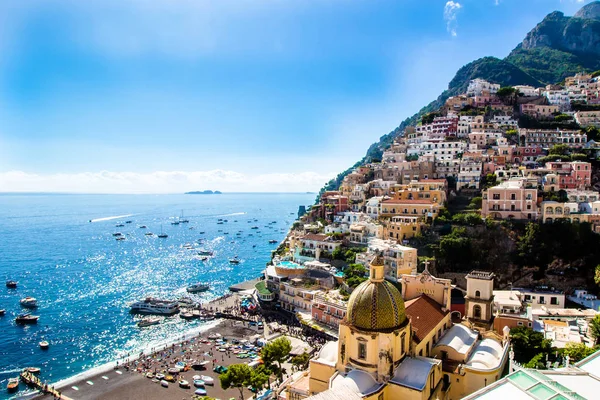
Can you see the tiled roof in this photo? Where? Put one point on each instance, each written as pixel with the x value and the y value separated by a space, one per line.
pixel 315 236
pixel 425 314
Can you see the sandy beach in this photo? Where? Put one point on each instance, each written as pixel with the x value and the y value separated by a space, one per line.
pixel 128 380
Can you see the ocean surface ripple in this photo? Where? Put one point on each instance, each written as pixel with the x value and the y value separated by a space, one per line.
pixel 61 250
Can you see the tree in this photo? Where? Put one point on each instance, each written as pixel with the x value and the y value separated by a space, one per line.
pixel 259 377
pixel 559 149
pixel 594 329
pixel 237 376
pixel 276 352
pixel 578 351
pixel 476 202
pixel 592 132
pixel 489 181
pixel 301 360
pixel 597 275
pixel 528 344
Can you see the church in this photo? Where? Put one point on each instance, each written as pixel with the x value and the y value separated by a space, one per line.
pixel 395 345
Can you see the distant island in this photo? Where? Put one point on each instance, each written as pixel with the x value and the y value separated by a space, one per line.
pixel 204 192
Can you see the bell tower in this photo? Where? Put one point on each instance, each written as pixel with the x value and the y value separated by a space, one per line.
pixel 480 296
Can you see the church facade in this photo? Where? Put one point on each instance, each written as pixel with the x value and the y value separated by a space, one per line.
pixel 396 345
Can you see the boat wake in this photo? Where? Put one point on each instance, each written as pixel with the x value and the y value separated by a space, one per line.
pixel 229 215
pixel 11 371
pixel 109 218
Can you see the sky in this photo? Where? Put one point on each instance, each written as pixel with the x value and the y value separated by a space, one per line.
pixel 166 96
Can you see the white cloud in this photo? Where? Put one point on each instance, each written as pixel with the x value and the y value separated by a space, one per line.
pixel 450 12
pixel 161 182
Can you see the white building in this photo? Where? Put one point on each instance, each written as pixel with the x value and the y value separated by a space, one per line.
pixel 469 174
pixel 477 86
pixel 526 90
pixel 559 98
pixel 442 150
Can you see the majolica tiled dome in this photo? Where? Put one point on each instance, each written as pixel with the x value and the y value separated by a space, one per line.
pixel 376 304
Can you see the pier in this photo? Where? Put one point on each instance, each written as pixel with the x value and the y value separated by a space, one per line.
pixel 33 381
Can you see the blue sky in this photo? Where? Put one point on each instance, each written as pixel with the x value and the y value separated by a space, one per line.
pixel 263 95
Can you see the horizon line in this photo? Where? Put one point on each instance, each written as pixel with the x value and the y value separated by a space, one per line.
pixel 145 194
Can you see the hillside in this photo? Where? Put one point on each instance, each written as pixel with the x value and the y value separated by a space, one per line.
pixel 559 46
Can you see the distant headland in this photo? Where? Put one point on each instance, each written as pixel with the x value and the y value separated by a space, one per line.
pixel 204 192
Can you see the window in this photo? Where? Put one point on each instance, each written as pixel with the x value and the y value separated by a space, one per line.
pixel 496 196
pixel 402 343
pixel 362 351
pixel 477 294
pixel 513 196
pixel 554 300
pixel 477 312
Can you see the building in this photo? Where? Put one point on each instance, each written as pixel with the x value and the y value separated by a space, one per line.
pixel 392 349
pixel 426 189
pixel 587 118
pixel 398 260
pixel 539 111
pixel 442 150
pixel 526 90
pixel 329 308
pixel 548 138
pixel 401 228
pixel 478 87
pixel 426 210
pixel 513 199
pixel 469 175
pixel 559 98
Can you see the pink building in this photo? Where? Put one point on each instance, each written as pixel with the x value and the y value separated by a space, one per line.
pixel 530 153
pixel 572 175
pixel 513 199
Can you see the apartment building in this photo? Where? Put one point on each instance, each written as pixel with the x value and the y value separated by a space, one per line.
pixel 513 199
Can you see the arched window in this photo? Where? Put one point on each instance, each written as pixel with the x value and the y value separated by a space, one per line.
pixel 362 350
pixel 477 312
pixel 477 294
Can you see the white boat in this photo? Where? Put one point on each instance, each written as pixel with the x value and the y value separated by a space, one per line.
pixel 164 383
pixel 148 322
pixel 29 302
pixel 198 287
pixel 44 345
pixel 155 306
pixel 207 380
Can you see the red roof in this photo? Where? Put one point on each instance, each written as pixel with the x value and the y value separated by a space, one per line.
pixel 319 237
pixel 425 314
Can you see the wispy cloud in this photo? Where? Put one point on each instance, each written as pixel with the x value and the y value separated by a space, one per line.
pixel 161 182
pixel 450 12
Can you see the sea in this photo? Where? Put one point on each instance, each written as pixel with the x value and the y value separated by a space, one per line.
pixel 62 251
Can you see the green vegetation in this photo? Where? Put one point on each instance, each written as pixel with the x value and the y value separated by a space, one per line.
pixel 355 274
pixel 261 286
pixel 240 376
pixel 301 361
pixel 530 347
pixel 577 351
pixel 594 329
pixel 275 353
pixel 347 254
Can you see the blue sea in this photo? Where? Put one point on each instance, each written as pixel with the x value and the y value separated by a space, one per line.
pixel 61 250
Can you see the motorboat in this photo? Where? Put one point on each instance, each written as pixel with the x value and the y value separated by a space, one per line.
pixel 234 260
pixel 44 345
pixel 148 322
pixel 149 234
pixel 120 238
pixel 150 375
pixel 199 383
pixel 151 305
pixel 11 284
pixel 117 234
pixel 143 226
pixel 27 319
pixel 32 370
pixel 29 302
pixel 272 241
pixel 164 384
pixel 205 253
pixel 128 222
pixel 198 287
pixel 186 315
pixel 254 227
pixel 200 392
pixel 119 225
pixel 207 380
pixel 204 258
pixel 13 385
pixel 2 312
pixel 196 313
pixel 199 366
pixel 173 370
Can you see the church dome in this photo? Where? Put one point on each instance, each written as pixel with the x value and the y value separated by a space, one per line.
pixel 376 304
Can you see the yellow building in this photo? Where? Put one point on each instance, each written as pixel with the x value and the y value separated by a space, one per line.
pixel 400 228
pixel 388 349
pixel 425 210
pixel 425 189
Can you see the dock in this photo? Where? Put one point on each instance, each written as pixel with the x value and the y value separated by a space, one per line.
pixel 33 381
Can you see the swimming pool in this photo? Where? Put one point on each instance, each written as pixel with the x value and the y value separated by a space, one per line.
pixel 289 264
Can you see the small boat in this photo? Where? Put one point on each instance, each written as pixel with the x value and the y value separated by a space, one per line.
pixel 149 234
pixel 199 366
pixel 148 322
pixel 29 302
pixel 13 385
pixel 198 287
pixel 119 225
pixel 200 392
pixel 160 376
pixel 196 313
pixel 11 284
pixel 204 258
pixel 128 222
pixel 220 223
pixel 199 383
pixel 164 384
pixel 254 227
pixel 143 226
pixel 120 238
pixel 186 315
pixel 272 241
pixel 150 375
pixel 27 319
pixel 161 234
pixel 44 345
pixel 32 370
pixel 205 253
pixel 184 384
pixel 173 370
pixel 2 312
pixel 207 380
pixel 117 234
pixel 234 260
pixel 202 233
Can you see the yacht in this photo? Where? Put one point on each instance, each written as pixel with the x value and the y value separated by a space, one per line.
pixel 27 319
pixel 161 234
pixel 11 284
pixel 148 322
pixel 183 220
pixel 155 306
pixel 29 302
pixel 198 287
